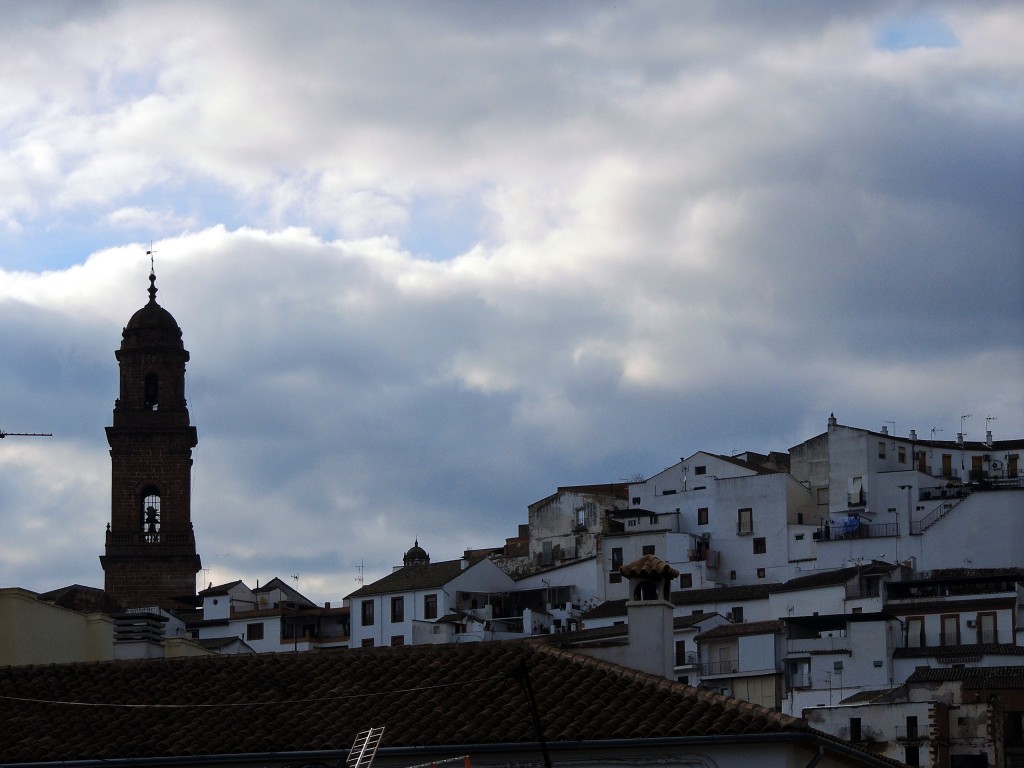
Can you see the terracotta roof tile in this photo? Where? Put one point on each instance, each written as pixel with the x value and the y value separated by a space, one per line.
pixel 972 677
pixel 835 577
pixel 410 577
pixel 723 594
pixel 743 628
pixel 954 651
pixel 425 695
pixel 648 566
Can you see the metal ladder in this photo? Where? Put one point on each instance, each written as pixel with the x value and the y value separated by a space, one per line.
pixel 364 748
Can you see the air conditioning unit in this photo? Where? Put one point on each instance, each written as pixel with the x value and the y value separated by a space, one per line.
pixel 972 624
pixel 728 616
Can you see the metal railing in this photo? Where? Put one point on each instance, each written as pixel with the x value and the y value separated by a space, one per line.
pixel 943 509
pixel 142 537
pixel 863 531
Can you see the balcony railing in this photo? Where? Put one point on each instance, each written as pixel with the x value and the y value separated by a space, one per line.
pixel 154 537
pixel 721 667
pixel 687 659
pixel 943 509
pixel 828 532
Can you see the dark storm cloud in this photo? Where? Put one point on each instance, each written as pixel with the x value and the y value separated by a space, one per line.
pixel 432 262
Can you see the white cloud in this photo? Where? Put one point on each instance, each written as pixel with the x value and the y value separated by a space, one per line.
pixel 678 228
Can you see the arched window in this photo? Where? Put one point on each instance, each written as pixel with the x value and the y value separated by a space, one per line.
pixel 151 391
pixel 151 515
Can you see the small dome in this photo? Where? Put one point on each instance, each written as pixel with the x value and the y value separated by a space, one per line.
pixel 416 555
pixel 152 325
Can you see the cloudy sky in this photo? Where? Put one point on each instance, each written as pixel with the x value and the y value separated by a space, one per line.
pixel 433 260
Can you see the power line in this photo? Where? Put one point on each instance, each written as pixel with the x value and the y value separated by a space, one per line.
pixel 251 703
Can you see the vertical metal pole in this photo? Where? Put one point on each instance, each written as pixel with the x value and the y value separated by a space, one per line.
pixel 521 674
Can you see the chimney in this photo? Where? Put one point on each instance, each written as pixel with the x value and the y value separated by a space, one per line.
pixel 960 439
pixel 913 434
pixel 651 636
pixel 885 430
pixel 832 421
pixel 988 438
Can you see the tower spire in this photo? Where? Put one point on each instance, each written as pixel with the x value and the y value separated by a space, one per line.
pixel 152 273
pixel 150 556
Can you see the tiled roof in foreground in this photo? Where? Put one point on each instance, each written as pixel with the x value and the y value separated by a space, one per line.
pixel 423 695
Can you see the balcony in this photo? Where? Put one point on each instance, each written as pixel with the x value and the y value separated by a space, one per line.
pixel 827 532
pixel 727 667
pixel 687 659
pixel 838 644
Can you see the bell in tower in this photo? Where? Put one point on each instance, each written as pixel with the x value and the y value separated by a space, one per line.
pixel 150 557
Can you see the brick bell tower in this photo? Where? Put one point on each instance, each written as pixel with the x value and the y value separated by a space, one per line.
pixel 151 549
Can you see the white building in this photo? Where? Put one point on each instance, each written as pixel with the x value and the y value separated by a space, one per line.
pixel 422 602
pixel 269 619
pixel 727 514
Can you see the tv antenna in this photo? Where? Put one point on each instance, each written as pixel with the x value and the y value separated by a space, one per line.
pixel 359 571
pixel 24 434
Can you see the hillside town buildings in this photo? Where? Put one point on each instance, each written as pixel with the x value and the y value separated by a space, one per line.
pixel 869 583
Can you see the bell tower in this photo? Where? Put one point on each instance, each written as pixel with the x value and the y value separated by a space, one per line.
pixel 150 554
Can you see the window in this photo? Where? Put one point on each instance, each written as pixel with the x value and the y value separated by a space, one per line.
pixel 822 495
pixel 616 558
pixel 366 610
pixel 915 632
pixel 856 492
pixel 987 628
pixel 745 520
pixel 367 642
pixel 760 573
pixel 901 454
pixel 799 518
pixel 685 580
pixel 648 549
pixel 732 575
pixel 798 673
pixel 151 392
pixel 398 640
pixel 430 606
pixel 680 653
pixel 881 449
pixel 912 754
pixel 614 578
pixel 254 631
pixel 702 516
pixel 737 614
pixel 151 515
pixel 397 610
pixel 546 550
pixel 760 545
pixel 636 501
pixel 701 470
pixel 950 630
pixel 855 732
pixel 911 727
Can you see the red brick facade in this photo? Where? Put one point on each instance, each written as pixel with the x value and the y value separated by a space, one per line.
pixel 151 549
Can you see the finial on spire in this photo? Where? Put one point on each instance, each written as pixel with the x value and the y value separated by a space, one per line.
pixel 152 273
